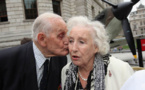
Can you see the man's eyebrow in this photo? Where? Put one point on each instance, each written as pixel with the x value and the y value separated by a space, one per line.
pixel 59 31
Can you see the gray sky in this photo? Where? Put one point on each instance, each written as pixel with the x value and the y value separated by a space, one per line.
pixel 135 6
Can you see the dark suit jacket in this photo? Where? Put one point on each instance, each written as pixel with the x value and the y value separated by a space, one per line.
pixel 18 69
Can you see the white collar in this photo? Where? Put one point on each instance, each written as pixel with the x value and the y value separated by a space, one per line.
pixel 39 57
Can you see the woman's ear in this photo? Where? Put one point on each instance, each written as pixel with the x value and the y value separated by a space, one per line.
pixel 96 48
pixel 41 38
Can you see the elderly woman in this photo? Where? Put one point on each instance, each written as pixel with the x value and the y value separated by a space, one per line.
pixel 88 47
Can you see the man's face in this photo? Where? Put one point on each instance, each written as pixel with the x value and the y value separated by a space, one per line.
pixel 57 41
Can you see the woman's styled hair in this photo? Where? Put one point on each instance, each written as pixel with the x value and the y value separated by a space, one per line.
pixel 98 32
pixel 43 23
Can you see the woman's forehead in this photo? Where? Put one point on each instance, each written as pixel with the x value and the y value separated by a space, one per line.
pixel 80 32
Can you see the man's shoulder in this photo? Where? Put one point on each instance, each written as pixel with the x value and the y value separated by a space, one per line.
pixel 7 52
pixel 16 47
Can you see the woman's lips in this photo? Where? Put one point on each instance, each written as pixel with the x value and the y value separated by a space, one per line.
pixel 74 57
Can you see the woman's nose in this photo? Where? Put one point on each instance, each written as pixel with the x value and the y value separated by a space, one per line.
pixel 74 47
pixel 66 40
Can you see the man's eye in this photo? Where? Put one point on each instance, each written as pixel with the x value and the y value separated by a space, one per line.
pixel 61 35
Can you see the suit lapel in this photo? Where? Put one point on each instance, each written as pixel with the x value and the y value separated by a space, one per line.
pixel 54 73
pixel 30 70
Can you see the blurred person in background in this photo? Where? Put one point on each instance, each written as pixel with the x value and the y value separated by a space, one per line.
pixel 135 82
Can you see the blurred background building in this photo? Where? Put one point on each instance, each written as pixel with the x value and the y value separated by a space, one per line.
pixel 17 16
pixel 137 20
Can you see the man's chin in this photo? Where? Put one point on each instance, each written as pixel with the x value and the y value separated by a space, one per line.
pixel 61 54
pixel 65 53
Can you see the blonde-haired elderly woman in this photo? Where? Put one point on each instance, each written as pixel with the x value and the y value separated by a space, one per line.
pixel 88 48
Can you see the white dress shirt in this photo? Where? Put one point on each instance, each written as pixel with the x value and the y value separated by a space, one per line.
pixel 40 59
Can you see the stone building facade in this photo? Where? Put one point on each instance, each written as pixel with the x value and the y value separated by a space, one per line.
pixel 17 16
pixel 137 20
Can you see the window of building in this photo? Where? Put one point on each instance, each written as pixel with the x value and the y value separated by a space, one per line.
pixel 141 23
pixel 57 6
pixel 99 12
pixel 141 31
pixel 134 27
pixel 3 11
pixel 30 9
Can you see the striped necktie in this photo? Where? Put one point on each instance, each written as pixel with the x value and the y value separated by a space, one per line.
pixel 44 80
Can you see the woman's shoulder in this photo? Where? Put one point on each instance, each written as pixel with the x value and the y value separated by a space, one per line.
pixel 66 67
pixel 114 60
pixel 117 64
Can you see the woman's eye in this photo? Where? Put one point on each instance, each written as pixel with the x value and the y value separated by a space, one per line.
pixel 70 41
pixel 82 42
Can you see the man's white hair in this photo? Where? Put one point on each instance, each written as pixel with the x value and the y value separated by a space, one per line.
pixel 43 23
pixel 98 32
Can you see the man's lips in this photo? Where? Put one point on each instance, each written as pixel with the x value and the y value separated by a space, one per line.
pixel 66 48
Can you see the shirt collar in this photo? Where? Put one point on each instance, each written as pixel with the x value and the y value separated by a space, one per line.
pixel 39 57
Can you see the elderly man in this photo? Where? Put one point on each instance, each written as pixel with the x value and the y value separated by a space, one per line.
pixel 36 65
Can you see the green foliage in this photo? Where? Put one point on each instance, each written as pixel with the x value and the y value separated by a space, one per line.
pixel 125 47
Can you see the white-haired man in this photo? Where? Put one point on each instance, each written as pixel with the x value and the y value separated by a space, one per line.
pixel 24 67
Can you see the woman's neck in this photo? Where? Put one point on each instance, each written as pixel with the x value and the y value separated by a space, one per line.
pixel 83 74
pixel 85 71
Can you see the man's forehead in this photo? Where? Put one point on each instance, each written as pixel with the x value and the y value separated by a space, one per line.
pixel 56 20
pixel 59 30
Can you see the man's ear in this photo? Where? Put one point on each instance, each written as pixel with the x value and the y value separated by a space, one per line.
pixel 41 37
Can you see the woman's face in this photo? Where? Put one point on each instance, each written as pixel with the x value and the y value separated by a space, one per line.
pixel 81 46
